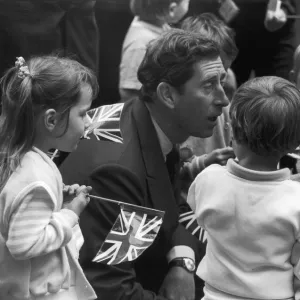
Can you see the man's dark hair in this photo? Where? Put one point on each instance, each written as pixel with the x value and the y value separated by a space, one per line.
pixel 171 57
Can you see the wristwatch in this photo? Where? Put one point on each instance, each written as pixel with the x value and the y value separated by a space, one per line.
pixel 184 262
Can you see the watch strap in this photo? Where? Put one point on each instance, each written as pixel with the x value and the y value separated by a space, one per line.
pixel 184 262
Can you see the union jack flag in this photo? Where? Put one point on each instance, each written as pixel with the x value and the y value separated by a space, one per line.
pixel 133 232
pixel 105 125
pixel 188 220
pixel 105 122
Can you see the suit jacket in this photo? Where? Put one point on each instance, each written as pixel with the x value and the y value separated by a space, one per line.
pixel 133 172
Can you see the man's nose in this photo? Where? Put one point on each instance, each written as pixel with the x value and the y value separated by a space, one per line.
pixel 221 97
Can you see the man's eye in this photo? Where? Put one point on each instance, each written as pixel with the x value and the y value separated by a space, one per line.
pixel 208 85
pixel 223 83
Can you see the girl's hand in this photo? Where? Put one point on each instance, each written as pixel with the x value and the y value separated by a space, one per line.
pixel 69 192
pixel 81 199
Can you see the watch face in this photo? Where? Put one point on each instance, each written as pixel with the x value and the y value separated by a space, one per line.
pixel 190 265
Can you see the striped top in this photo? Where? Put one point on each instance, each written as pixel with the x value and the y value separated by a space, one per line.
pixel 38 242
pixel 34 229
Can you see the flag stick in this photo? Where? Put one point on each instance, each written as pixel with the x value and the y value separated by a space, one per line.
pixel 294 155
pixel 54 154
pixel 293 17
pixel 138 207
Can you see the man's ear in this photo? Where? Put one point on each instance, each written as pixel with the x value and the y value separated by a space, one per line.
pixel 292 76
pixel 166 94
pixel 50 119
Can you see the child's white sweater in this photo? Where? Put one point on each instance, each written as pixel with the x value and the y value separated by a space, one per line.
pixel 38 249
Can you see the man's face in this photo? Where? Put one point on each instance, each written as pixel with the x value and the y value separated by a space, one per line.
pixel 202 98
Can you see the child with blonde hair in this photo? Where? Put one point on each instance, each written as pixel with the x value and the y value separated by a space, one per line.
pixel 152 17
pixel 250 209
pixel 44 105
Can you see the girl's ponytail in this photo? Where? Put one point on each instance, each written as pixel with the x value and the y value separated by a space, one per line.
pixel 17 119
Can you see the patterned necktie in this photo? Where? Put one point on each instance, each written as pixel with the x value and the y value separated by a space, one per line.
pixel 173 163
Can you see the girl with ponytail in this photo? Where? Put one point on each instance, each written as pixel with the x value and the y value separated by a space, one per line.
pixel 44 105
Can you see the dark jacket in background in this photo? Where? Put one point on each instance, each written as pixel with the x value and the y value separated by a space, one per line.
pixel 267 53
pixel 36 27
pixel 113 18
pixel 264 52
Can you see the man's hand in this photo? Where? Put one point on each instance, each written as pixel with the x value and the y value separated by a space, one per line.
pixel 275 19
pixel 219 156
pixel 178 284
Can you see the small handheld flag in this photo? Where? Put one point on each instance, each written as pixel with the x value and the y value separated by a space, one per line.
pixel 105 125
pixel 105 122
pixel 188 220
pixel 134 230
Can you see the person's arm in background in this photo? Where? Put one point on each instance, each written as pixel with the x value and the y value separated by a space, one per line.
pixel 276 19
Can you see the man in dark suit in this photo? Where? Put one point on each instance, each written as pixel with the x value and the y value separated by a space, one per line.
pixel 182 95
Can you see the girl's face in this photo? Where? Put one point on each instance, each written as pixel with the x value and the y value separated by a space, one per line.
pixel 78 121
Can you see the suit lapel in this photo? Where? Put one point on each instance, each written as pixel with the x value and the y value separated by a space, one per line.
pixel 159 185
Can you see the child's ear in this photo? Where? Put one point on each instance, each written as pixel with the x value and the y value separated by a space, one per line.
pixel 50 119
pixel 172 9
pixel 292 76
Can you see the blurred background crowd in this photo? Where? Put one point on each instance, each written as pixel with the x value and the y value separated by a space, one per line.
pixel 93 32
